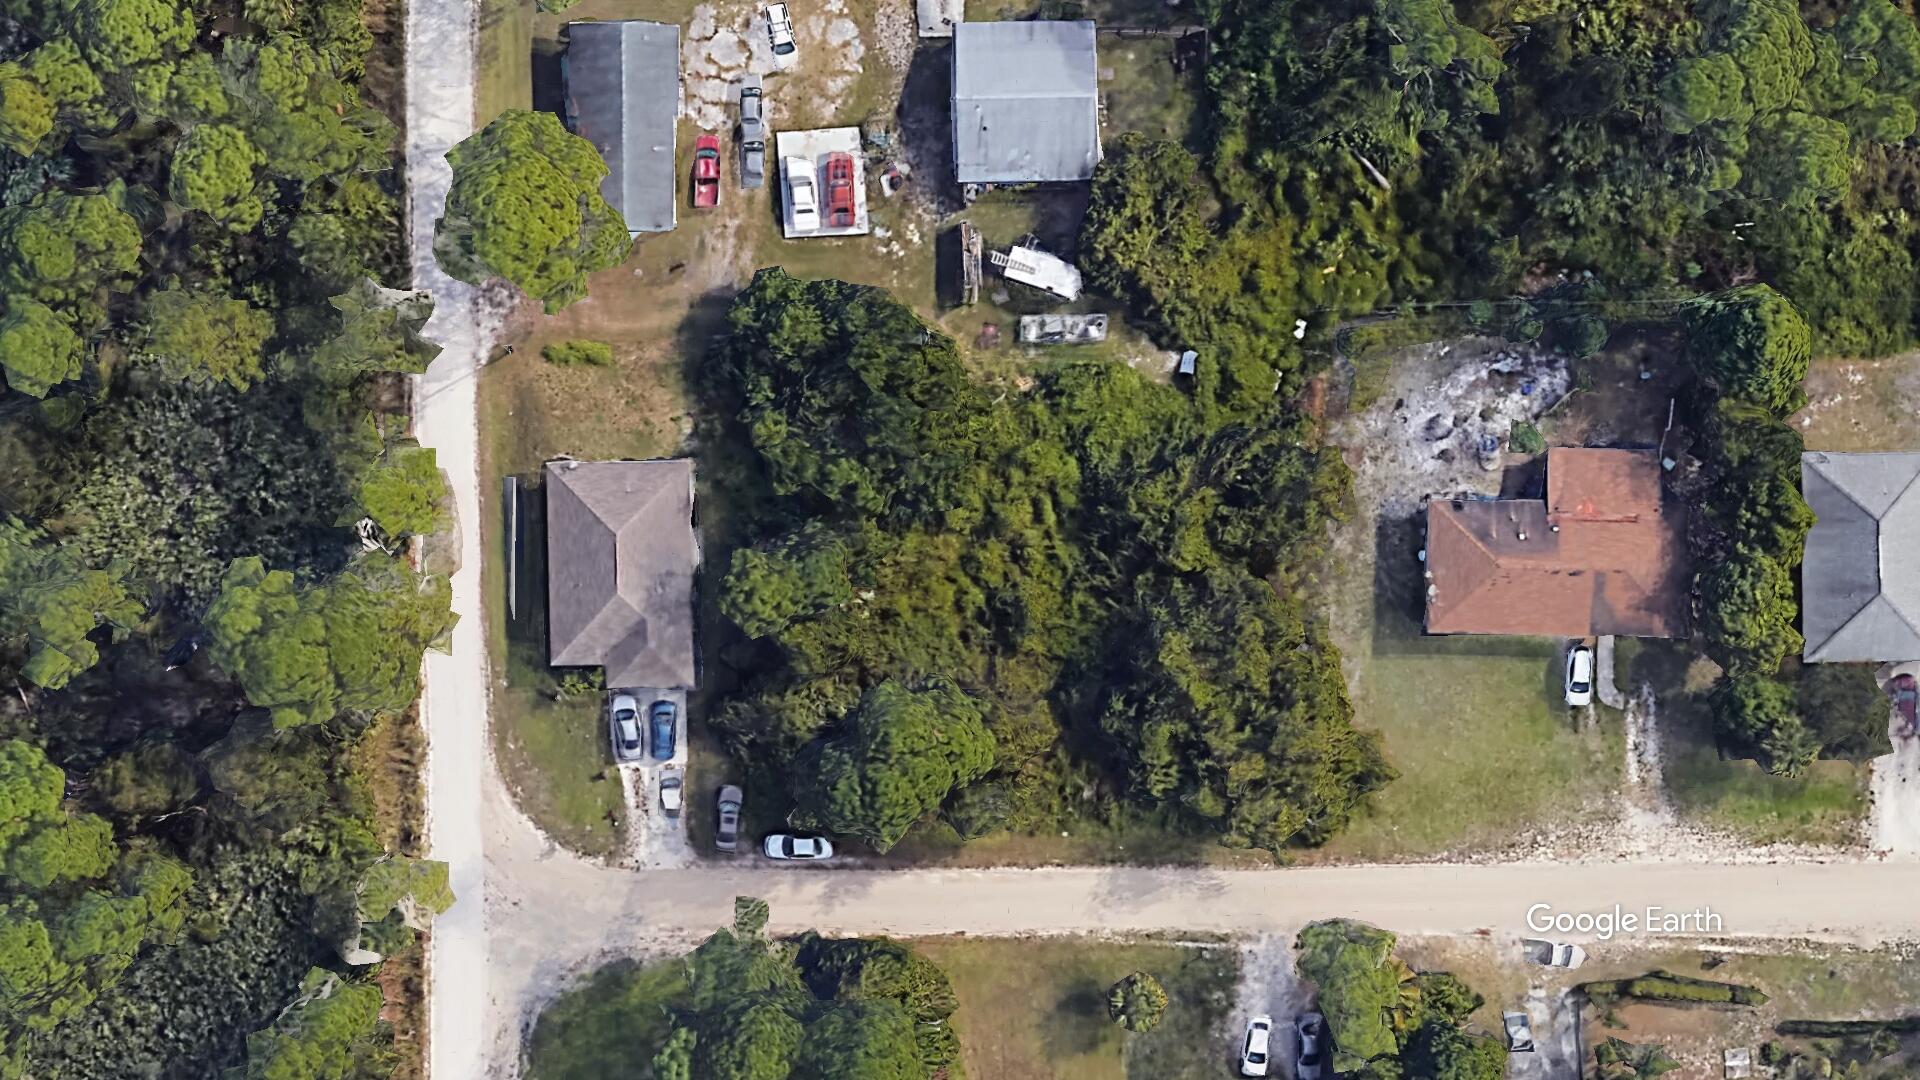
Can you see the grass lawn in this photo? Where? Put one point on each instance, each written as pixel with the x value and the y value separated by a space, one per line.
pixel 1825 806
pixel 1487 750
pixel 608 1025
pixel 1036 1008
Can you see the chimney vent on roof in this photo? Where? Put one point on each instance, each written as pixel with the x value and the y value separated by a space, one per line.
pixel 1522 534
pixel 1555 528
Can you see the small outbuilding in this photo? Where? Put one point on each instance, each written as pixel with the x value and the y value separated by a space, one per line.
pixel 623 95
pixel 1860 581
pixel 1026 102
pixel 621 557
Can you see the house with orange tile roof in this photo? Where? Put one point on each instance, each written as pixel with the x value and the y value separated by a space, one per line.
pixel 1604 553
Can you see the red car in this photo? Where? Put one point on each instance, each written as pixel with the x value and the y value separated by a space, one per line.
pixel 840 213
pixel 706 172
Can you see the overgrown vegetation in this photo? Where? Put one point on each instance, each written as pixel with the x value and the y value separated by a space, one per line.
pixel 201 402
pixel 982 601
pixel 743 1006
pixel 1385 1019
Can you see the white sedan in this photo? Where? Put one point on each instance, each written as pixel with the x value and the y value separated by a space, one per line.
pixel 1255 1055
pixel 803 197
pixel 789 847
pixel 1553 953
pixel 1579 676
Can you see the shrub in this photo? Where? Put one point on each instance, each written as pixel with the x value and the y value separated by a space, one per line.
pixel 1666 987
pixel 1524 438
pixel 578 351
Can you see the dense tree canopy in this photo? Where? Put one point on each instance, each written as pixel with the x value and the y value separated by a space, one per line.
pixel 526 206
pixel 198 370
pixel 952 582
pixel 307 654
pixel 1383 1018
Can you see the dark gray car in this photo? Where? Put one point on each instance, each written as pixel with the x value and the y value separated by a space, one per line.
pixel 1310 1062
pixel 753 133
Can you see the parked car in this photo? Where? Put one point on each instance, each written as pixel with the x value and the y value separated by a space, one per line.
pixel 1519 1033
pixel 780 30
pixel 1579 676
pixel 1906 698
pixel 661 717
pixel 797 848
pixel 753 123
pixel 753 164
pixel 803 202
pixel 726 817
pixel 1254 1056
pixel 1312 1060
pixel 623 725
pixel 1553 953
pixel 706 172
pixel 672 788
pixel 840 201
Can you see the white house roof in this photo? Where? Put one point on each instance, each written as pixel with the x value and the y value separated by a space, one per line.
pixel 1026 102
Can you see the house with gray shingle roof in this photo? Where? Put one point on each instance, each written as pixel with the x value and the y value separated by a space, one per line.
pixel 623 95
pixel 1860 583
pixel 1026 102
pixel 621 556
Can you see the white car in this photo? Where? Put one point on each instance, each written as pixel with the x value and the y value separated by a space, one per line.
pixel 780 30
pixel 803 194
pixel 789 847
pixel 623 727
pixel 1553 953
pixel 672 788
pixel 1579 676
pixel 1519 1032
pixel 1255 1056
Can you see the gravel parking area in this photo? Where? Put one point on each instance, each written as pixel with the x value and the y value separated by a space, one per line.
pixel 656 839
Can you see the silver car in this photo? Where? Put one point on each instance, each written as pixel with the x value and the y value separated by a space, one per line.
pixel 1519 1032
pixel 753 164
pixel 623 727
pixel 726 818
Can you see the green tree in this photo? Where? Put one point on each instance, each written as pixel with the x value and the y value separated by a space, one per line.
pixel 1137 1002
pixel 674 1059
pixel 60 248
pixel 26 110
pixel 404 492
pixel 1704 90
pixel 1748 612
pixel 799 575
pixel 1799 159
pixel 202 336
pixel 307 122
pixel 898 755
pixel 1753 343
pixel 375 330
pixel 328 1033
pixel 1368 995
pixel 1444 1052
pixel 121 35
pixel 1246 730
pixel 526 206
pixel 860 1040
pixel 54 602
pixel 38 350
pixel 1755 716
pixel 306 654
pixel 1846 709
pixel 215 171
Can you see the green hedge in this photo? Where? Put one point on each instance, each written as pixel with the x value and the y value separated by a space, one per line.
pixel 581 351
pixel 1666 987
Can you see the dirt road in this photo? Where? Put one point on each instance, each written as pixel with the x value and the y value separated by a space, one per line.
pixel 454 707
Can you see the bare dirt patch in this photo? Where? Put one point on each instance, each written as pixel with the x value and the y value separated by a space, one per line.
pixel 1861 405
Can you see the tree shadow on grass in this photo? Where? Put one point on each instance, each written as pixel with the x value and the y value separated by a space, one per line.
pixel 1078 1024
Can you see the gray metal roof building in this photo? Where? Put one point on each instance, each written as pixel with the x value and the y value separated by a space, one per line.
pixel 621 555
pixel 623 95
pixel 1026 102
pixel 1860 584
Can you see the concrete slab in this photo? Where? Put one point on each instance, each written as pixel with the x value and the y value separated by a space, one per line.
pixel 814 146
pixel 937 17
